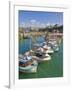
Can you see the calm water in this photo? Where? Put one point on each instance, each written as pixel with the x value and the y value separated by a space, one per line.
pixel 27 44
pixel 52 68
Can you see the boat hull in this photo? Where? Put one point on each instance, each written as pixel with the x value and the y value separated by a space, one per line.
pixel 56 48
pixel 30 68
pixel 44 59
pixel 49 51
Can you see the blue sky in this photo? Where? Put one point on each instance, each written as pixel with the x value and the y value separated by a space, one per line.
pixel 39 18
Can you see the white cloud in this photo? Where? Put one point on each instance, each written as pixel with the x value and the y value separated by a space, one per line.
pixel 22 24
pixel 48 24
pixel 33 21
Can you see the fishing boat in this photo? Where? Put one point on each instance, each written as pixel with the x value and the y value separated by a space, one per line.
pixel 30 68
pixel 54 45
pixel 45 57
pixel 27 64
pixel 42 54
pixel 48 49
pixel 44 47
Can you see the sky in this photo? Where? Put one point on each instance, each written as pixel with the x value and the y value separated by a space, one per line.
pixel 39 18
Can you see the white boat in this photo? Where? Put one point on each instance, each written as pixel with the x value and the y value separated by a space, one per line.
pixel 30 68
pixel 42 56
pixel 56 48
pixel 54 45
pixel 27 64
pixel 48 49
pixel 46 57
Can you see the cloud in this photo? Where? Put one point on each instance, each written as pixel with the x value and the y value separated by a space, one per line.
pixel 22 24
pixel 33 21
pixel 48 24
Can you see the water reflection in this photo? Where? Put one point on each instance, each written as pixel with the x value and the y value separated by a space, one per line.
pixel 27 44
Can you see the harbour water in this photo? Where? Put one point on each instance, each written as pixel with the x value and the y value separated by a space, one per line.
pixel 47 69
